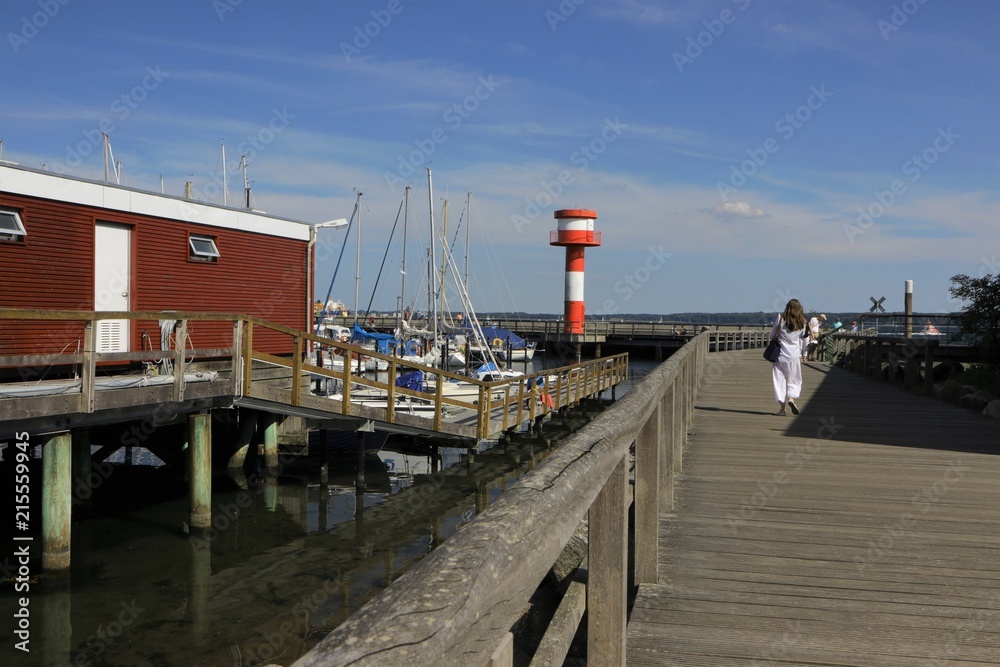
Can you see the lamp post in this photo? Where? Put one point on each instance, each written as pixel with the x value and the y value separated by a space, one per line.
pixel 310 264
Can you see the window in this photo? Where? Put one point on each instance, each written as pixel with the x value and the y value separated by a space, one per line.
pixel 11 227
pixel 203 248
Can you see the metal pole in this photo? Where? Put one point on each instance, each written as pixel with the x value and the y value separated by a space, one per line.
pixel 908 307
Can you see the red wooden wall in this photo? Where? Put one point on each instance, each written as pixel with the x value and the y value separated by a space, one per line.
pixel 53 269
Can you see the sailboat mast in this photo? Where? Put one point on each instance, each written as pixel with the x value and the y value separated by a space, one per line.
pixel 357 264
pixel 402 287
pixel 444 257
pixel 225 185
pixel 432 306
pixel 468 225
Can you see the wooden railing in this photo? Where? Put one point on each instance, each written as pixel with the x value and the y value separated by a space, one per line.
pixel 906 360
pixel 500 405
pixel 458 605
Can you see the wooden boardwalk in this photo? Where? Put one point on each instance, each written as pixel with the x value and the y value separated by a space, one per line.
pixel 865 531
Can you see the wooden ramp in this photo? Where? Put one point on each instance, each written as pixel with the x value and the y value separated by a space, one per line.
pixel 865 531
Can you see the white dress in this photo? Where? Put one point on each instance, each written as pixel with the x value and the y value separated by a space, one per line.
pixel 786 372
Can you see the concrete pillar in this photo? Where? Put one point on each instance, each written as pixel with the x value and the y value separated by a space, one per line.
pixel 57 500
pixel 200 468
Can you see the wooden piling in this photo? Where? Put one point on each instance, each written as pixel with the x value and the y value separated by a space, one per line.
pixel 82 491
pixel 271 440
pixel 200 468
pixel 57 500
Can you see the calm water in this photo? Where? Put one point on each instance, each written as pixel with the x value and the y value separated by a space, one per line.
pixel 288 560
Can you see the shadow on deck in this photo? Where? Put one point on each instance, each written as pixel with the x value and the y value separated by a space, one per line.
pixel 862 532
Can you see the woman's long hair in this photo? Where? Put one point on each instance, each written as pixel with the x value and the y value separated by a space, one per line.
pixel 794 316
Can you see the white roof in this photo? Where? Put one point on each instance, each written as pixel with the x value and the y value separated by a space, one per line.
pixel 20 180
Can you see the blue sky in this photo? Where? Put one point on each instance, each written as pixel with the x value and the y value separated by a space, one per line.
pixel 738 152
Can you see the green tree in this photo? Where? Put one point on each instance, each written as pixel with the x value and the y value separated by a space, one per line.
pixel 980 321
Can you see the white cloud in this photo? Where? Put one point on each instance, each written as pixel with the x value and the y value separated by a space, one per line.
pixel 738 209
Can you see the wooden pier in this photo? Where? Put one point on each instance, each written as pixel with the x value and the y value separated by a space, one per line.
pixel 861 532
pixel 266 369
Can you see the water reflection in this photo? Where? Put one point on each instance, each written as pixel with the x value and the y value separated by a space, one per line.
pixel 287 559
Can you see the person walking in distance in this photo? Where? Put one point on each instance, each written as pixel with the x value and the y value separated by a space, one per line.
pixel 791 331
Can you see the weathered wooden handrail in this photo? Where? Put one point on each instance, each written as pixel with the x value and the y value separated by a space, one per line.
pixel 293 356
pixel 457 605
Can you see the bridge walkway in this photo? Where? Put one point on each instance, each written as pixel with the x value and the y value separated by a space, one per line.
pixel 864 531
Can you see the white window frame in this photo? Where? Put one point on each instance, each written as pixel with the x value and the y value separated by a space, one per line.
pixel 200 254
pixel 18 234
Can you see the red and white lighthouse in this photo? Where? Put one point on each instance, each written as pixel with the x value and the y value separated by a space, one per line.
pixel 575 232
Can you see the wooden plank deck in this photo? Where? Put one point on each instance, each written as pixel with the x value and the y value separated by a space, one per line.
pixel 865 531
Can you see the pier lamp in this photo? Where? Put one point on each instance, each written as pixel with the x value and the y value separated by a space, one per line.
pixel 333 224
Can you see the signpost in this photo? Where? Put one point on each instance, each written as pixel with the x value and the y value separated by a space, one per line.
pixel 876 308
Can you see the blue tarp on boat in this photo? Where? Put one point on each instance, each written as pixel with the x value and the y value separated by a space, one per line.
pixel 413 381
pixel 384 343
pixel 508 337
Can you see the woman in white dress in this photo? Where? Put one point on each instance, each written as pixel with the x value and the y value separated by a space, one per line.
pixel 791 331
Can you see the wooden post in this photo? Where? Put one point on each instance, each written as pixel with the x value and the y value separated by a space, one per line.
pixel 667 460
pixel 297 372
pixel 504 655
pixel 57 500
pixel 647 499
pixel 88 369
pixel 237 362
pixel 200 468
pixel 929 367
pixel 607 585
pixel 676 391
pixel 82 490
pixel 248 359
pixel 271 440
pixel 199 593
pixel 180 340
pixel 359 475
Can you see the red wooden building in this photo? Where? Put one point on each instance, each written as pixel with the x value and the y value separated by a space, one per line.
pixel 73 244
